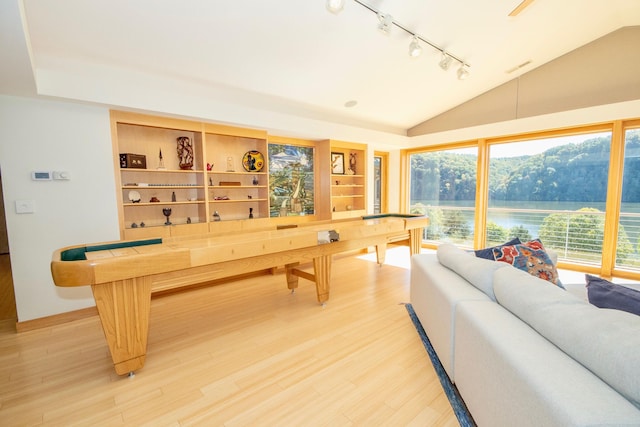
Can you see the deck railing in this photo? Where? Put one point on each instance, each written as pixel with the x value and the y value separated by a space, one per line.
pixel 577 236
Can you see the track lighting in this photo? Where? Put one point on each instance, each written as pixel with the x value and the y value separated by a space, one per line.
pixel 335 6
pixel 414 47
pixel 386 21
pixel 446 61
pixel 463 72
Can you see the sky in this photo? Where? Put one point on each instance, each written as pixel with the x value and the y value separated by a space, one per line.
pixel 515 149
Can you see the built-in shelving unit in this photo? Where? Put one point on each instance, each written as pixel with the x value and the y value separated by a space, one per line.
pixel 216 182
pixel 348 189
pixel 226 186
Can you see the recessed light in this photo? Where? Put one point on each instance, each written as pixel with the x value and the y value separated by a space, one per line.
pixel 350 104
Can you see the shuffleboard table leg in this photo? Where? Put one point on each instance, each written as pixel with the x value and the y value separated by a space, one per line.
pixel 415 241
pixel 322 272
pixel 292 278
pixel 124 307
pixel 381 253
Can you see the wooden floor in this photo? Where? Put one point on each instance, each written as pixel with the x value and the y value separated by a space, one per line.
pixel 7 296
pixel 246 353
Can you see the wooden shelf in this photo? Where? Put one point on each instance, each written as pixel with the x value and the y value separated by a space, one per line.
pixel 161 187
pixel 186 202
pixel 238 201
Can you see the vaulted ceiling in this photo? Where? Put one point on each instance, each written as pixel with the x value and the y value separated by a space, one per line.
pixel 292 56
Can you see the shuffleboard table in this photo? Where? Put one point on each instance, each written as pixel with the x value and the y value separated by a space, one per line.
pixel 124 274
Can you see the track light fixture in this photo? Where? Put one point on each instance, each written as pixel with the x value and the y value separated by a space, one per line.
pixel 386 21
pixel 446 61
pixel 463 72
pixel 414 47
pixel 335 6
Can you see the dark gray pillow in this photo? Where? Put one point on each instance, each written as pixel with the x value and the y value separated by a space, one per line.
pixel 487 253
pixel 605 294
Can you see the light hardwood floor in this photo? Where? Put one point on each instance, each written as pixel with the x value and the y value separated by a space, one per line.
pixel 246 353
pixel 7 296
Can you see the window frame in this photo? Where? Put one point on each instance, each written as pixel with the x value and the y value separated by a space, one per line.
pixel 614 185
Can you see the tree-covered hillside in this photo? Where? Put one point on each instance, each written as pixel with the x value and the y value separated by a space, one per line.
pixel 572 172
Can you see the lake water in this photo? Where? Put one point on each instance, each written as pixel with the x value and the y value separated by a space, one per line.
pixel 532 220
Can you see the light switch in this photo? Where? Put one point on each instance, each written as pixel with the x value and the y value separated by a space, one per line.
pixel 61 175
pixel 25 206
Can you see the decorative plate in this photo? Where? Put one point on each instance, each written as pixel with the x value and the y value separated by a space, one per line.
pixel 134 196
pixel 253 161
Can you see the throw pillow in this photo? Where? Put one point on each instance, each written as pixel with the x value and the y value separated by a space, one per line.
pixel 605 294
pixel 530 257
pixel 487 253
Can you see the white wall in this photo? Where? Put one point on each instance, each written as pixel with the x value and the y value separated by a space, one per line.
pixel 46 136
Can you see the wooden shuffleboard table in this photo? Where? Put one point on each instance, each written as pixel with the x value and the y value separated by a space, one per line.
pixel 124 274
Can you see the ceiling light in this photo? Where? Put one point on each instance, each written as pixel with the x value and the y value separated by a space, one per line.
pixel 386 21
pixel 446 60
pixel 463 72
pixel 335 6
pixel 414 47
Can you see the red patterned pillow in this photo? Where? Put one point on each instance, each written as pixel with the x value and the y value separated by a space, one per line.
pixel 530 257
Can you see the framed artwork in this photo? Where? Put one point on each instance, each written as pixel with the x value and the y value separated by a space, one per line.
pixel 337 163
pixel 291 180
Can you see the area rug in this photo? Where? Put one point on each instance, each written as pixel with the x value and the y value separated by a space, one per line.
pixel 459 408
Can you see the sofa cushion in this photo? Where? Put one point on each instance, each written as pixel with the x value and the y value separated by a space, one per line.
pixel 487 253
pixel 604 341
pixel 530 257
pixel 605 294
pixel 435 291
pixel 477 271
pixel 509 375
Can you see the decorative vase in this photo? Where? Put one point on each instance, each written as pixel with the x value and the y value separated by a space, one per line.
pixel 185 152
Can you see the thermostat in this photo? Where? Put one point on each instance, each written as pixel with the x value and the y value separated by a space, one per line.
pixel 41 176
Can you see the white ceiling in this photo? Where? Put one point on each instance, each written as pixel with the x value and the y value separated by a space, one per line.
pixel 294 56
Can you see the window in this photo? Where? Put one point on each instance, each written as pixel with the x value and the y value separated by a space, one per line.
pixel 443 186
pixel 380 165
pixel 627 247
pixel 554 189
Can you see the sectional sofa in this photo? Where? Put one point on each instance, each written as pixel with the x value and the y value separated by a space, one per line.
pixel 525 352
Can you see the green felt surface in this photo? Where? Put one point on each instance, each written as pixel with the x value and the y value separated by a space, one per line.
pixel 389 215
pixel 78 254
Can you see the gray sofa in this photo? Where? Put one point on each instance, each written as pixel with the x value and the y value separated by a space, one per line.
pixel 522 351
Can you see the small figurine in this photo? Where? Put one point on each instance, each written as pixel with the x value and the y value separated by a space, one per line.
pixel 173 196
pixel 216 216
pixel 352 162
pixel 160 161
pixel 250 213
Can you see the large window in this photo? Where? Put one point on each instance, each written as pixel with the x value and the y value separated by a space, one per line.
pixel 554 189
pixel 443 186
pixel 628 243
pixel 578 190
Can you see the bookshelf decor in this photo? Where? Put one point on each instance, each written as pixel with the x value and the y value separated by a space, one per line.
pixel 337 163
